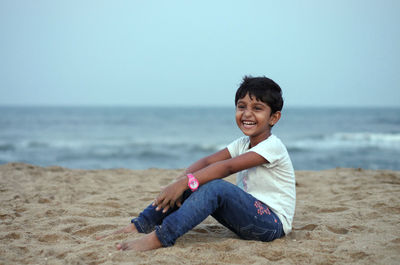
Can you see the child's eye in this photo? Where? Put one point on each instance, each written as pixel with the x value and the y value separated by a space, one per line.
pixel 240 106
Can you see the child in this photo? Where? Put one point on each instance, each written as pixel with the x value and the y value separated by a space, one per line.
pixel 261 206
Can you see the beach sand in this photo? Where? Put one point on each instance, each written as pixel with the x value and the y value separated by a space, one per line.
pixel 52 215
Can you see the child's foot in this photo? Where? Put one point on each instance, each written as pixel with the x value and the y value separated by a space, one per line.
pixel 148 242
pixel 131 228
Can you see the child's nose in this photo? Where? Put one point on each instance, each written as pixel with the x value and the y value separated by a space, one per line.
pixel 247 112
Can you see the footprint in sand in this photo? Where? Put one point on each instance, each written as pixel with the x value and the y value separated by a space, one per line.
pixel 357 228
pixel 68 229
pixel 53 213
pixel 12 235
pixel 215 228
pixel 334 210
pixel 7 219
pixel 87 231
pixel 272 255
pixel 337 230
pixel 74 220
pixel 396 241
pixel 146 199
pixel 113 214
pixel 358 255
pixel 52 238
pixel 21 250
pixel 200 230
pixel 111 204
pixel 309 227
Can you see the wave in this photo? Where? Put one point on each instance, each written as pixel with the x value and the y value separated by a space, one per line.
pixel 167 155
pixel 106 148
pixel 7 147
pixel 161 148
pixel 141 152
pixel 358 140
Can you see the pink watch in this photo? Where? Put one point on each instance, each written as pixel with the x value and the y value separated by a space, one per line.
pixel 193 183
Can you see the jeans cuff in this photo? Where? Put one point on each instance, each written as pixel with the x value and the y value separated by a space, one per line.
pixel 139 227
pixel 164 240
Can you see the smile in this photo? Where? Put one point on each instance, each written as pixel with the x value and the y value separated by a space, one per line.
pixel 248 124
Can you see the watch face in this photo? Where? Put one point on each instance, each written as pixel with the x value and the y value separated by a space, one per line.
pixel 193 184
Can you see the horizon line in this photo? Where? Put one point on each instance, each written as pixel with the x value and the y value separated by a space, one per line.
pixel 182 106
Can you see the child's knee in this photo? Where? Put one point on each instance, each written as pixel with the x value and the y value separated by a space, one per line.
pixel 212 183
pixel 216 186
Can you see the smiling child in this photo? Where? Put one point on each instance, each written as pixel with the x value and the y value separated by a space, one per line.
pixel 260 206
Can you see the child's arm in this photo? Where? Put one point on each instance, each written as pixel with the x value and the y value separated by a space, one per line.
pixel 218 169
pixel 206 161
pixel 200 164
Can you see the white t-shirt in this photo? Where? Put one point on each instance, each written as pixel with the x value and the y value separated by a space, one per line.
pixel 272 183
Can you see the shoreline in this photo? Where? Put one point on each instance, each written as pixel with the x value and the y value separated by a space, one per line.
pixel 53 214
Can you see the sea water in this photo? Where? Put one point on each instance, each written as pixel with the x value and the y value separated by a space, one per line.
pixel 175 137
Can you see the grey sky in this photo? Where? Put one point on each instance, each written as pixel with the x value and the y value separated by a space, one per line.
pixel 335 53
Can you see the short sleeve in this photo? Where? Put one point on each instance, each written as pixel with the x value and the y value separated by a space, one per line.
pixel 272 149
pixel 236 148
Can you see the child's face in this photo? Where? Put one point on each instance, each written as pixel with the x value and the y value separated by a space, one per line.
pixel 254 118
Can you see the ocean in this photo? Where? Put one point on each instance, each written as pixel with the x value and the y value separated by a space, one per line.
pixel 175 137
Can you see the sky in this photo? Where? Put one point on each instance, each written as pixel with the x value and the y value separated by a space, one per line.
pixel 195 53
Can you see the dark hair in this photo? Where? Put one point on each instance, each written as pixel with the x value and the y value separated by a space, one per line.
pixel 264 89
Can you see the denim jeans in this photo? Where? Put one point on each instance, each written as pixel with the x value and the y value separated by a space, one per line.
pixel 228 204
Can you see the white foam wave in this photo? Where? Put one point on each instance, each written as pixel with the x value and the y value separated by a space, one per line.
pixel 348 140
pixel 107 146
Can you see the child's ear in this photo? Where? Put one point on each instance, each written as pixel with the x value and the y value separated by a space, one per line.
pixel 274 118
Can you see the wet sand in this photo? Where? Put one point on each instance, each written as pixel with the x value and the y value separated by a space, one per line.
pixel 52 215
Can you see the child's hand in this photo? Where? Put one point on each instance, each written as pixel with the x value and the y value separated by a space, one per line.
pixel 171 195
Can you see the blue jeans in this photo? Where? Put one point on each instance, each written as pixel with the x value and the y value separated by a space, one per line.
pixel 228 204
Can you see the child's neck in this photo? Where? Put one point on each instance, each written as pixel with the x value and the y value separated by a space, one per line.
pixel 255 140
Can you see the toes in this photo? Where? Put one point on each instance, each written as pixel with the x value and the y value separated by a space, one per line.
pixel 123 246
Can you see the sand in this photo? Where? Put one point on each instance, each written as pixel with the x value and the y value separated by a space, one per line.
pixel 52 215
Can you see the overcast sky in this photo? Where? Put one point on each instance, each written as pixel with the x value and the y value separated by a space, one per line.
pixel 334 53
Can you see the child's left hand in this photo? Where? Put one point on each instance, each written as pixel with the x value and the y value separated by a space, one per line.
pixel 171 195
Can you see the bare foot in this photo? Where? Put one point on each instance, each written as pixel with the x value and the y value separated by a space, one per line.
pixel 148 242
pixel 131 228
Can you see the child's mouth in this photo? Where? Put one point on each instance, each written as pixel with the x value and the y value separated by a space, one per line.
pixel 248 124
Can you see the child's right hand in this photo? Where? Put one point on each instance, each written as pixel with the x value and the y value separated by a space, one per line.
pixel 171 195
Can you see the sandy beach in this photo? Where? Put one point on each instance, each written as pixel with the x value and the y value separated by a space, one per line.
pixel 52 215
